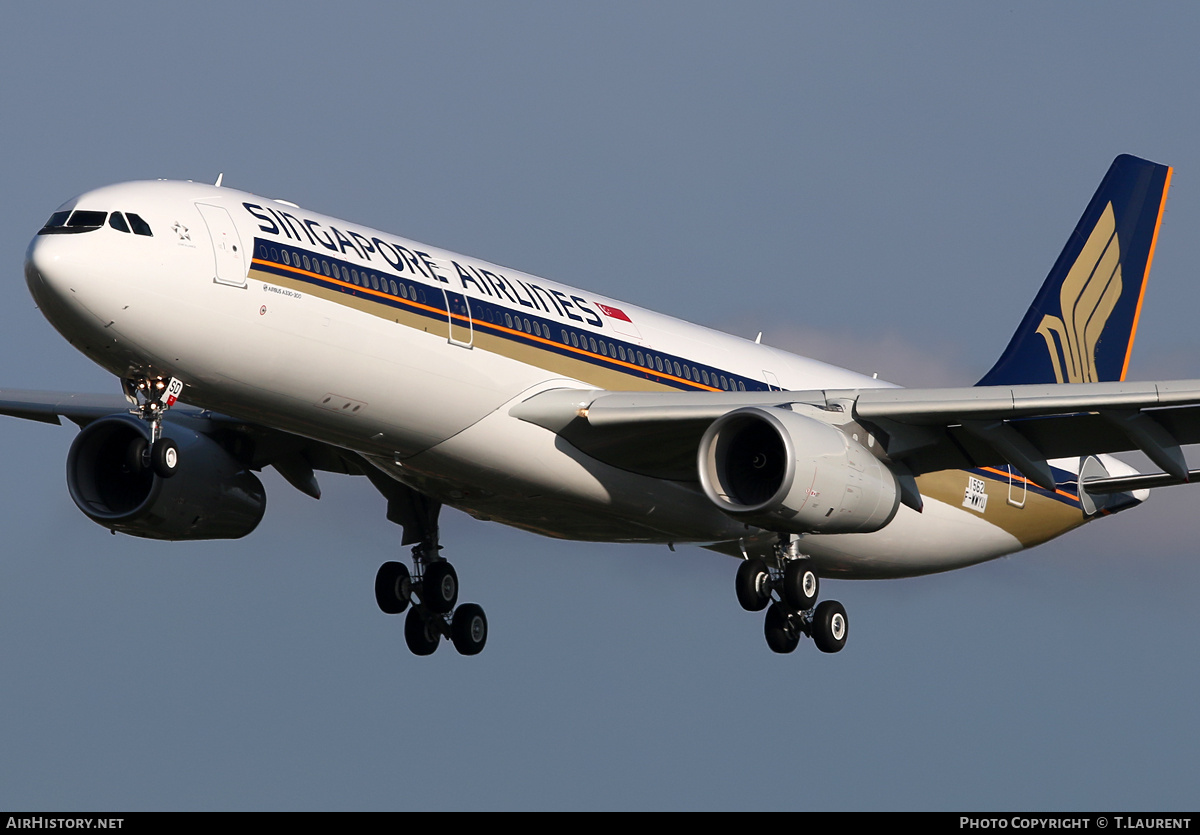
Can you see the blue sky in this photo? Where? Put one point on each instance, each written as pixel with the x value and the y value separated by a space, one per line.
pixel 877 185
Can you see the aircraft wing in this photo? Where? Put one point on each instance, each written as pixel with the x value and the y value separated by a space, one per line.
pixel 296 458
pixel 921 430
pixel 49 406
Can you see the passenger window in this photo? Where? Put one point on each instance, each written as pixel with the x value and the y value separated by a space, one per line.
pixel 117 221
pixel 140 227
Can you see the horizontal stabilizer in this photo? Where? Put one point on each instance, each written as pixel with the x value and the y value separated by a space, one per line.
pixel 1138 481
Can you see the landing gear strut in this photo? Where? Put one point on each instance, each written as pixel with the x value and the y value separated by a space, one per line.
pixel 152 397
pixel 430 591
pixel 788 591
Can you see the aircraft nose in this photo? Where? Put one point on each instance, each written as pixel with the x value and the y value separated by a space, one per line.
pixel 41 263
pixel 57 275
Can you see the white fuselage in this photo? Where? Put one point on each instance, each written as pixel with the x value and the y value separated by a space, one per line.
pixel 413 356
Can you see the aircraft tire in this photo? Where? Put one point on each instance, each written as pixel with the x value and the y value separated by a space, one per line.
pixel 753 585
pixel 800 585
pixel 830 626
pixel 468 629
pixel 781 636
pixel 164 458
pixel 420 638
pixel 135 457
pixel 439 587
pixel 391 586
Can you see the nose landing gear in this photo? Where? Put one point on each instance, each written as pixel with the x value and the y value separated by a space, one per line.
pixel 152 397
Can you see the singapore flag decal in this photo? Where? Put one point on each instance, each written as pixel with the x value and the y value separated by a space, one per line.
pixel 613 312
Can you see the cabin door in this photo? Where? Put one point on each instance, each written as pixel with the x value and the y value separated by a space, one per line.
pixel 230 267
pixel 458 313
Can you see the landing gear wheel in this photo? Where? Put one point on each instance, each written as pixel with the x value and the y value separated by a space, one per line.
pixel 392 583
pixel 419 634
pixel 164 458
pixel 829 626
pixel 439 587
pixel 753 585
pixel 800 585
pixel 782 637
pixel 468 629
pixel 136 457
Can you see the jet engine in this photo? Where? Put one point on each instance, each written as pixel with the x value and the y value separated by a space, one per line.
pixel 211 496
pixel 784 471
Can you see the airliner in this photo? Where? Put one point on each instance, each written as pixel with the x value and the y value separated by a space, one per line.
pixel 248 332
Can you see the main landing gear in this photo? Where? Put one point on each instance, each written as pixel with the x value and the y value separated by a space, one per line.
pixel 152 397
pixel 429 592
pixel 789 594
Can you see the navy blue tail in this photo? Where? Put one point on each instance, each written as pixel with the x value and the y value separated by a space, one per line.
pixel 1080 328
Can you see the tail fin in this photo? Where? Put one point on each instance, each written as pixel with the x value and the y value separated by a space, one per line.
pixel 1080 328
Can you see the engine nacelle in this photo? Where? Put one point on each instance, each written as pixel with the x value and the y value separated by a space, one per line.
pixel 785 472
pixel 211 496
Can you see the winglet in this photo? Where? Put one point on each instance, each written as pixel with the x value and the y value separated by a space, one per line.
pixel 1080 327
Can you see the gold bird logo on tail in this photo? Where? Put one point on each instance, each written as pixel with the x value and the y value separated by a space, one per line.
pixel 1087 298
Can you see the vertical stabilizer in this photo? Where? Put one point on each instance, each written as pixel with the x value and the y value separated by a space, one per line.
pixel 1081 326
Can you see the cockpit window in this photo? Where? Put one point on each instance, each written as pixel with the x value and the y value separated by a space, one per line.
pixel 68 222
pixel 79 221
pixel 58 219
pixel 140 227
pixel 88 220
